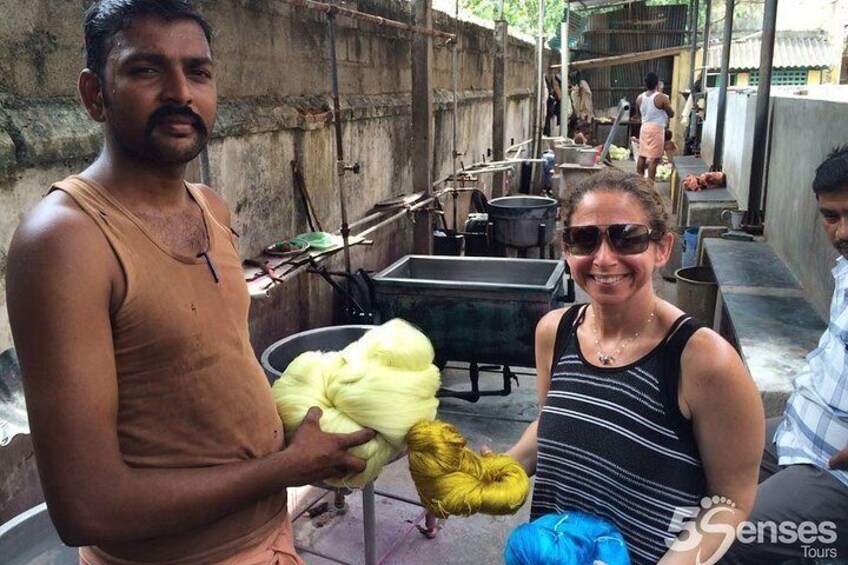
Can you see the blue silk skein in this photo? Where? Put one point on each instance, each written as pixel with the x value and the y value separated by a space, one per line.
pixel 570 538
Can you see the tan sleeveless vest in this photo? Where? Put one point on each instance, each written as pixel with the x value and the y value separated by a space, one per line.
pixel 190 390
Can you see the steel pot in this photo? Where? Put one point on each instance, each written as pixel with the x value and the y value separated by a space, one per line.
pixel 586 157
pixel 523 221
pixel 568 153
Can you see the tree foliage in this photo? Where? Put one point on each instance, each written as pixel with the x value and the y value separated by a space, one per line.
pixel 523 15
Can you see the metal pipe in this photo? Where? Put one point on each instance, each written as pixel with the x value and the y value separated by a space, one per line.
pixel 538 115
pixel 693 4
pixel 758 158
pixel 454 84
pixel 395 217
pixel 369 523
pixel 705 49
pixel 721 113
pixel 366 219
pixel 518 145
pixel 266 292
pixel 376 20
pixel 337 120
pixel 623 106
pixel 565 60
pixel 499 99
pixel 422 122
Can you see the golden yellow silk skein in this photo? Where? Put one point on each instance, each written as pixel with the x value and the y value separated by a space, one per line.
pixel 452 479
pixel 385 381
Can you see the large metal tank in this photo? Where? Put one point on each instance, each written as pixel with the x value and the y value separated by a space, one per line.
pixel 31 538
pixel 523 221
pixel 277 356
pixel 473 308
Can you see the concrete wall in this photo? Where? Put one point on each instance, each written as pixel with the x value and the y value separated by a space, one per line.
pixel 803 133
pixel 806 123
pixel 273 74
pixel 738 139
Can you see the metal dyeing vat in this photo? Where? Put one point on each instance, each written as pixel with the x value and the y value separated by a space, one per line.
pixel 276 358
pixel 31 537
pixel 523 221
pixel 473 308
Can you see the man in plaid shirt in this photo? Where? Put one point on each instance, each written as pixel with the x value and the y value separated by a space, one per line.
pixel 803 488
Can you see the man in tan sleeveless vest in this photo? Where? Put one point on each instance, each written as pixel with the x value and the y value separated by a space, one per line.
pixel 155 431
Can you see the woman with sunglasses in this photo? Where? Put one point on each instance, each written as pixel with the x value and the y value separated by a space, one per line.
pixel 649 419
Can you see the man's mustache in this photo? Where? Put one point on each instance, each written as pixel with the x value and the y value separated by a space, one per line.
pixel 170 110
pixel 841 245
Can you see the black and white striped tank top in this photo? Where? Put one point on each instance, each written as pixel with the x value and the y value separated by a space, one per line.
pixel 613 443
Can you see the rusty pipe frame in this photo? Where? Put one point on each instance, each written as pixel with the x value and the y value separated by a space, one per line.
pixel 455 117
pixel 337 122
pixel 370 18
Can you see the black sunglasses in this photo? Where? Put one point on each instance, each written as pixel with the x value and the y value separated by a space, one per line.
pixel 626 239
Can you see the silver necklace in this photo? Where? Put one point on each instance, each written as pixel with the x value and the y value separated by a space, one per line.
pixel 609 358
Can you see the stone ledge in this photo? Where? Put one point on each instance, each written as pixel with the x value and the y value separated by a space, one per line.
pixel 763 311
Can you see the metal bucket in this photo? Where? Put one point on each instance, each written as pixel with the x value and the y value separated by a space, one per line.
pixel 31 538
pixel 277 356
pixel 447 242
pixel 567 153
pixel 696 292
pixel 587 157
pixel 523 221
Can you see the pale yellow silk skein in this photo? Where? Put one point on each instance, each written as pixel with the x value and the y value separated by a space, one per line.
pixel 452 479
pixel 385 381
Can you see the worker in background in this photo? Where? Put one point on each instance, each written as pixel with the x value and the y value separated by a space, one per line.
pixel 553 84
pixel 155 431
pixel 654 110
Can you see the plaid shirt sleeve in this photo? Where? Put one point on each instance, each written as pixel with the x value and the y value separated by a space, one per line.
pixel 815 424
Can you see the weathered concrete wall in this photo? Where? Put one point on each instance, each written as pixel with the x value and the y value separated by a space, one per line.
pixel 804 128
pixel 273 74
pixel 738 139
pixel 803 133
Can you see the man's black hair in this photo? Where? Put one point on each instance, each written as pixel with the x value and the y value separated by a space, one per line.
pixel 105 18
pixel 652 80
pixel 832 173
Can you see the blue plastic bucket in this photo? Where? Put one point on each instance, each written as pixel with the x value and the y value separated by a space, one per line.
pixel 690 246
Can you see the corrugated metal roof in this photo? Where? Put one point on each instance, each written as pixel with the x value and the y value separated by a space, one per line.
pixel 612 83
pixel 789 52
